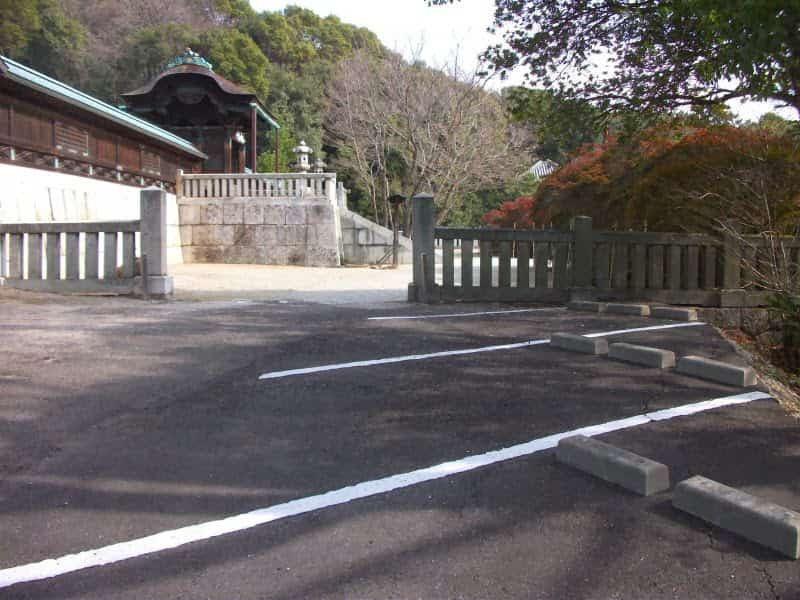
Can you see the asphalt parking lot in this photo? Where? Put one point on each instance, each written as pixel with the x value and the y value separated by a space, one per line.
pixel 121 419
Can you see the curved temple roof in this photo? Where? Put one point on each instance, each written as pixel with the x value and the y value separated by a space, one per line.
pixel 191 63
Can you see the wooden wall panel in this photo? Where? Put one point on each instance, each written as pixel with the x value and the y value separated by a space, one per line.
pixel 151 162
pixel 71 139
pixel 130 156
pixel 106 149
pixel 33 127
pixel 4 117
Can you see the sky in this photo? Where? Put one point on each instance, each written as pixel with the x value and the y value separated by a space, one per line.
pixel 441 34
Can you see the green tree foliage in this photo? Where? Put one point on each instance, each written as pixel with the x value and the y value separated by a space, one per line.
pixel 559 125
pixel 296 38
pixel 475 205
pixel 149 49
pixel 19 19
pixel 58 45
pixel 654 53
pixel 237 57
pixel 777 125
pixel 40 34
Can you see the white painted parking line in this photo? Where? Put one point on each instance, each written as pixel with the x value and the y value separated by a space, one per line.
pixel 470 314
pixel 411 357
pixel 396 359
pixel 641 329
pixel 166 540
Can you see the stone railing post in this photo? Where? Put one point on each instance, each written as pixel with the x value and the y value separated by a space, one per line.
pixel 732 255
pixel 155 278
pixel 582 257
pixel 423 214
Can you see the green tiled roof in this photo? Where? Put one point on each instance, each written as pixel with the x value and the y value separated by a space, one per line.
pixel 52 87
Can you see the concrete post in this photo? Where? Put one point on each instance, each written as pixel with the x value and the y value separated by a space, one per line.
pixel 153 216
pixel 582 256
pixel 424 220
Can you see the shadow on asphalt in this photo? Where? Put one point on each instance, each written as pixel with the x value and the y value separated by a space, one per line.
pixel 122 421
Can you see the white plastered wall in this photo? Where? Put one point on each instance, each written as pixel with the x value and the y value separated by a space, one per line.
pixel 34 195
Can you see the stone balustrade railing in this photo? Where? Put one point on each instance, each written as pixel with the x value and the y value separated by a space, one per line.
pixel 220 186
pixel 104 256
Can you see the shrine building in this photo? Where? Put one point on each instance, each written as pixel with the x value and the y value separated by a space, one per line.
pixel 225 121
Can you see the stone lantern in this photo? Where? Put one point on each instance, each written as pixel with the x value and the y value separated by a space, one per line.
pixel 319 166
pixel 302 152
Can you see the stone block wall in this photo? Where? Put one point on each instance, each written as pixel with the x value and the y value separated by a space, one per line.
pixel 366 242
pixel 756 322
pixel 272 231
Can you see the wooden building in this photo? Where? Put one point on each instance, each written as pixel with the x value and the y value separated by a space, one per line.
pixel 216 115
pixel 47 124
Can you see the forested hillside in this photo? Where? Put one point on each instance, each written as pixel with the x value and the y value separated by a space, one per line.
pixel 106 47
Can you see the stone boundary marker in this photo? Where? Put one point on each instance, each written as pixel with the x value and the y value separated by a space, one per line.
pixel 579 343
pixel 642 355
pixel 673 313
pixel 639 310
pixel 714 370
pixel 748 516
pixel 587 306
pixel 615 465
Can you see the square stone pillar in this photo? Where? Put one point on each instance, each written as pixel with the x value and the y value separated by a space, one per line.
pixel 153 216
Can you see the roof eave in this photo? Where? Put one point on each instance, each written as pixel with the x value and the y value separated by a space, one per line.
pixel 108 116
pixel 265 115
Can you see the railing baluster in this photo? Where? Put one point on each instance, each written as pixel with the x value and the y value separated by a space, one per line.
pixel 639 267
pixel 466 263
pixel 619 277
pixel 692 267
pixel 15 255
pixel 448 262
pixel 560 267
pixel 34 256
pixel 655 275
pixel 541 254
pixel 110 255
pixel 601 266
pixel 709 267
pixel 128 254
pixel 749 263
pixel 675 267
pixel 504 266
pixel 91 255
pixel 486 264
pixel 53 253
pixel 73 264
pixel 523 265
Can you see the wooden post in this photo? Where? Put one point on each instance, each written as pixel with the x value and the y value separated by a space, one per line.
pixel 582 252
pixel 254 141
pixel 277 150
pixel 228 151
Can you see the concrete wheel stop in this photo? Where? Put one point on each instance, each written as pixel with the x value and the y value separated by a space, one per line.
pixel 714 370
pixel 740 513
pixel 645 356
pixel 579 343
pixel 614 465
